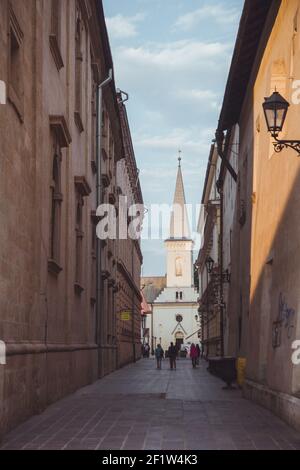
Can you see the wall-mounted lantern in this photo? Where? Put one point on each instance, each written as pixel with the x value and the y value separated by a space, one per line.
pixel 275 109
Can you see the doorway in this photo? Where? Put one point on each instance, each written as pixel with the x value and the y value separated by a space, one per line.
pixel 179 340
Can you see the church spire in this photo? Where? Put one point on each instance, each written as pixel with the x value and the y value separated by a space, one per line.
pixel 179 224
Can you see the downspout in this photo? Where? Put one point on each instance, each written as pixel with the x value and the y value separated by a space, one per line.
pixel 220 190
pixel 122 101
pixel 223 152
pixel 99 198
pixel 132 301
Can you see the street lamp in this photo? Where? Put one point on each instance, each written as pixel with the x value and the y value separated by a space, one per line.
pixel 209 263
pixel 275 109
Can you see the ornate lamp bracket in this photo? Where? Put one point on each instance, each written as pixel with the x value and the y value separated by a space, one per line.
pixel 279 145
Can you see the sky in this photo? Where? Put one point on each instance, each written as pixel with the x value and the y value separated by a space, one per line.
pixel 172 57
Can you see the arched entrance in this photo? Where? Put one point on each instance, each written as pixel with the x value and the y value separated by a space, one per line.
pixel 179 337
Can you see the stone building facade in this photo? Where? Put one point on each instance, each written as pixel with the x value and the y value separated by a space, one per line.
pixel 129 257
pixel 57 311
pixel 263 301
pixel 209 230
pixel 151 288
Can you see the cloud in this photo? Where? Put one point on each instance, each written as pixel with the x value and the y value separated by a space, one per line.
pixel 121 27
pixel 193 95
pixel 220 14
pixel 174 55
pixel 190 140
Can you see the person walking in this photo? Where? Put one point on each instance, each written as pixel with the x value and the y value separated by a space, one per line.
pixel 172 354
pixel 193 355
pixel 198 353
pixel 147 350
pixel 159 354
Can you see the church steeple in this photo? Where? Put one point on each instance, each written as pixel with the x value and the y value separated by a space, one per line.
pixel 179 223
pixel 179 246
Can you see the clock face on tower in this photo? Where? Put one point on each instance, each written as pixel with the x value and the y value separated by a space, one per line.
pixel 179 318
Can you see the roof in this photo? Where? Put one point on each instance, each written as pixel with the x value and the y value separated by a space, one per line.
pixel 152 287
pixel 129 151
pixel 256 23
pixel 145 308
pixel 168 296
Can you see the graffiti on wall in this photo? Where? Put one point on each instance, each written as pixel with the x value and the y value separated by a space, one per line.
pixel 284 322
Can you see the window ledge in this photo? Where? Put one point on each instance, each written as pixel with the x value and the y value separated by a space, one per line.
pixel 53 267
pixel 54 47
pixel 78 121
pixel 94 166
pixel 78 288
pixel 105 274
pixel 16 103
pixel 105 180
pixel 82 186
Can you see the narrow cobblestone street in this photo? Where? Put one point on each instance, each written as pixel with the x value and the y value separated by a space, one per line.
pixel 139 407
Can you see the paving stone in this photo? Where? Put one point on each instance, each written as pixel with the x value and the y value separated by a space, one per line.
pixel 139 407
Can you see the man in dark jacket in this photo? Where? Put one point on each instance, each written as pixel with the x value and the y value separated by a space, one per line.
pixel 172 354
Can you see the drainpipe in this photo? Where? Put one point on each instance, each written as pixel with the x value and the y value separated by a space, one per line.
pixel 99 198
pixel 223 155
pixel 132 303
pixel 220 190
pixel 223 152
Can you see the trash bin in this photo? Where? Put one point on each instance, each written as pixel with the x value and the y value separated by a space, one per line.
pixel 224 368
pixel 241 369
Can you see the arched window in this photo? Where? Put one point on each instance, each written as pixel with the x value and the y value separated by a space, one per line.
pixel 178 267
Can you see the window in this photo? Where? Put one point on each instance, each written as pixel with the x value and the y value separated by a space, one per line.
pixel 180 295
pixel 93 256
pixel 94 127
pixel 15 62
pixel 55 33
pixel 78 71
pixel 55 19
pixel 82 190
pixel 178 267
pixel 15 90
pixel 78 247
pixel 177 295
pixel 55 214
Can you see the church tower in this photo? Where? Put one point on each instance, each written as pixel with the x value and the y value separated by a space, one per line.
pixel 179 245
pixel 175 310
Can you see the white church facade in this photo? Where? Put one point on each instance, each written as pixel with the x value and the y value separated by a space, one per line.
pixel 175 310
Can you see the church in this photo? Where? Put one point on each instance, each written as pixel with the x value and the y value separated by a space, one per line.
pixel 175 310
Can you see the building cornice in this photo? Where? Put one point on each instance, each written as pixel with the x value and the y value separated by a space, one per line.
pixel 256 24
pixel 122 268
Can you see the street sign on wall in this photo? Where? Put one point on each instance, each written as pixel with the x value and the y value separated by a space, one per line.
pixel 125 315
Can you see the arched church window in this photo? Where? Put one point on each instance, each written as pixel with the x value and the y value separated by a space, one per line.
pixel 178 267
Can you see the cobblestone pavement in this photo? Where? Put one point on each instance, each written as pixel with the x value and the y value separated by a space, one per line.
pixel 139 407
